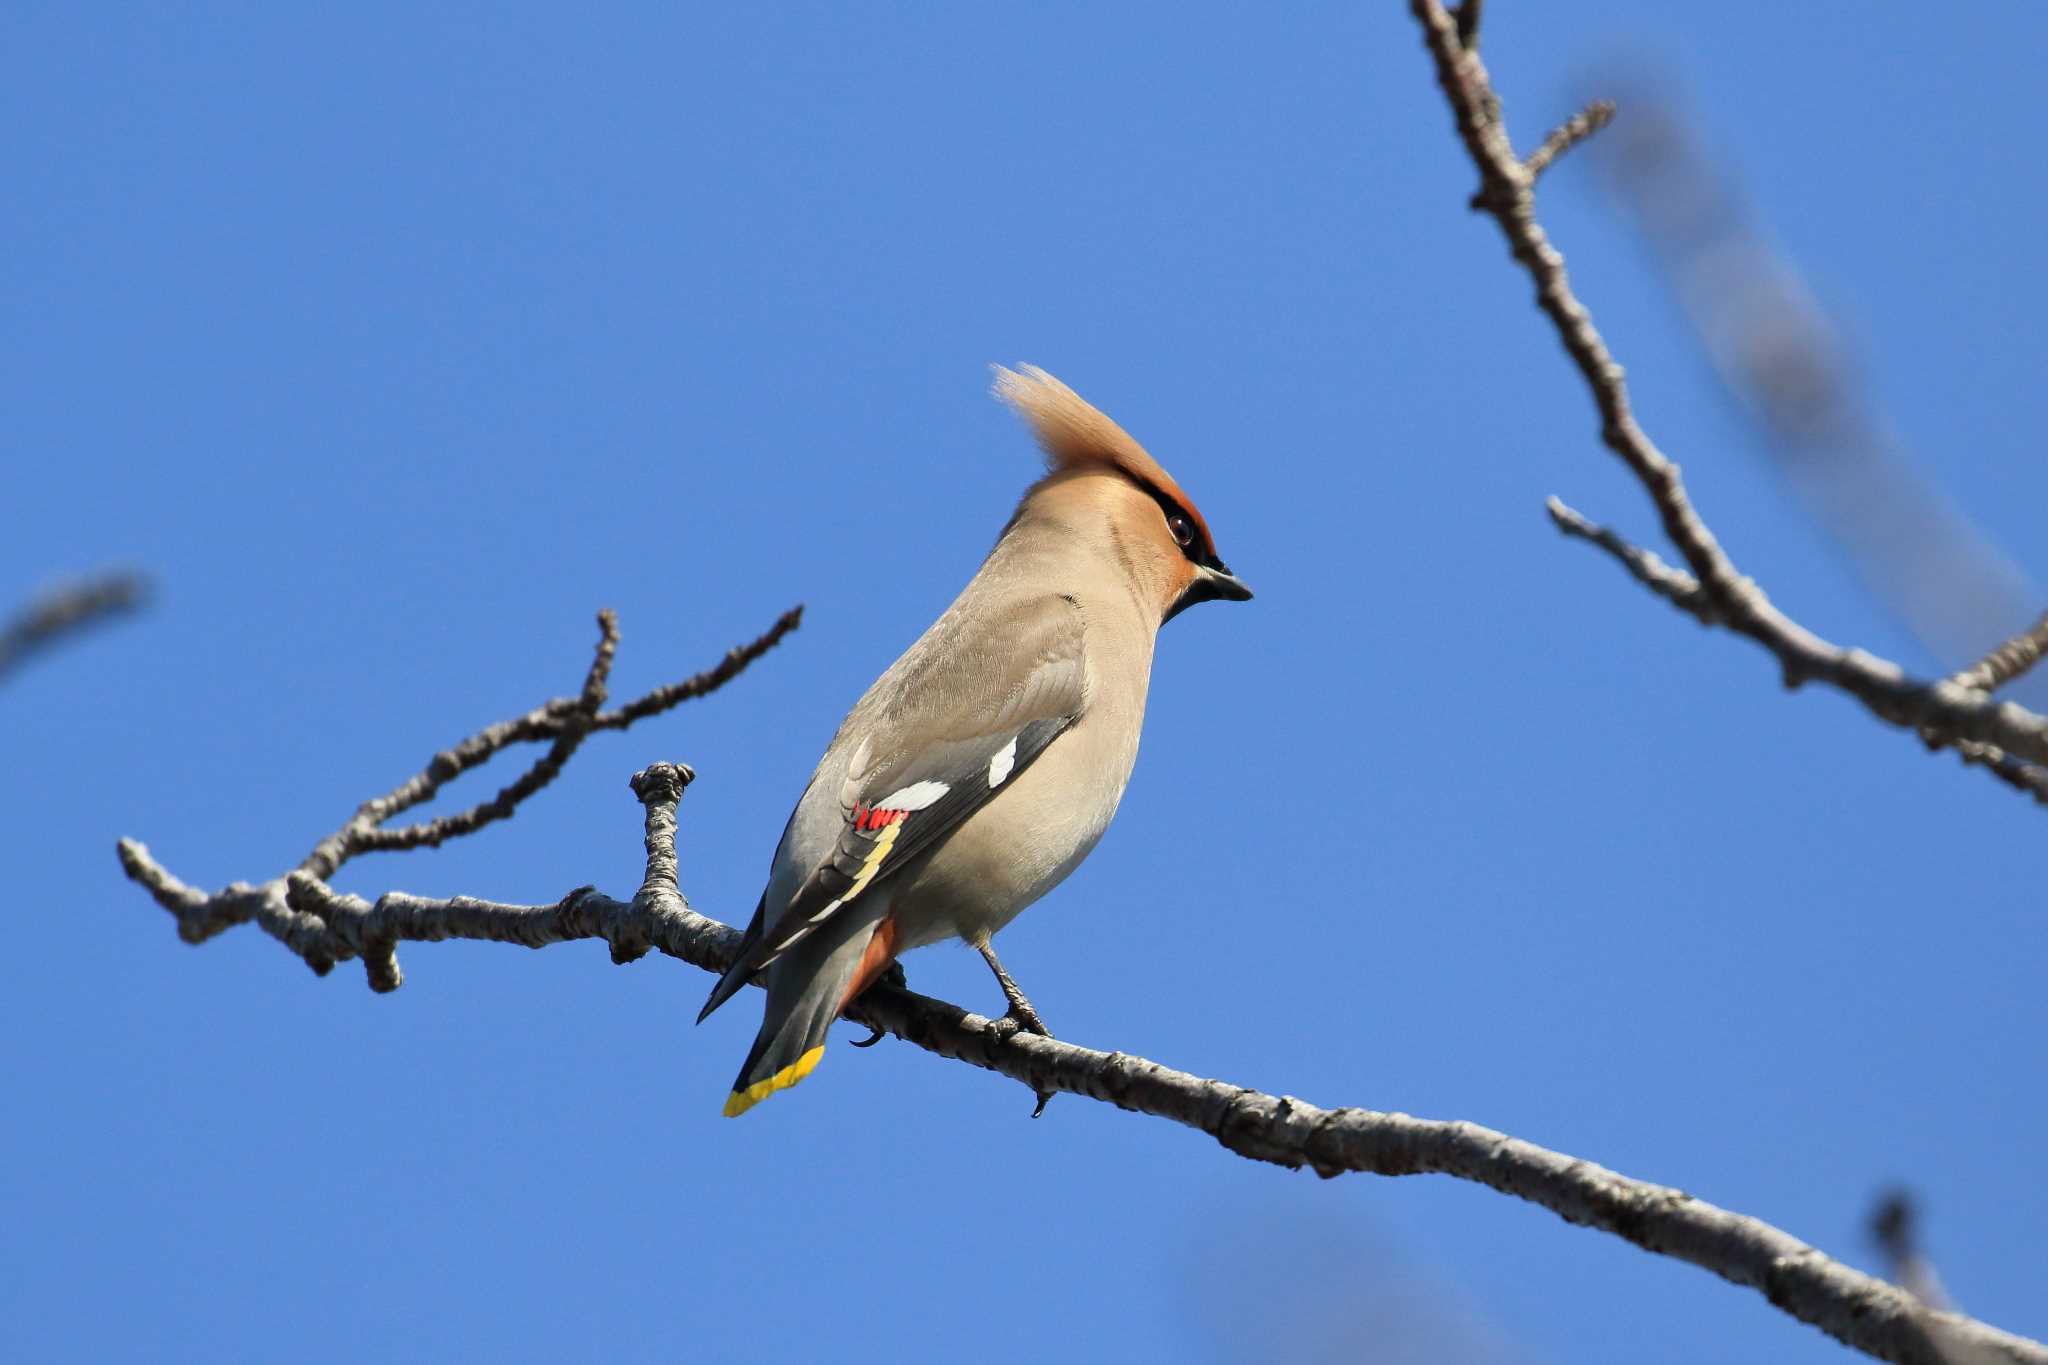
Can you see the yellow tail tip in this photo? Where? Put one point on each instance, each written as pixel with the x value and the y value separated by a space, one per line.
pixel 740 1101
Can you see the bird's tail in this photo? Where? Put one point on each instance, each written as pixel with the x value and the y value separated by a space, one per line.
pixel 806 991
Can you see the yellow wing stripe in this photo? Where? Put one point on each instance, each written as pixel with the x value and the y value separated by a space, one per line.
pixel 740 1101
pixel 873 862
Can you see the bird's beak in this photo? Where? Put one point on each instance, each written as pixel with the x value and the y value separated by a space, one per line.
pixel 1212 583
pixel 1224 586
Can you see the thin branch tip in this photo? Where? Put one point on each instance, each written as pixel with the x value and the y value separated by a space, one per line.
pixel 598 679
pixel 2007 663
pixel 566 722
pixel 1567 135
pixel 1674 585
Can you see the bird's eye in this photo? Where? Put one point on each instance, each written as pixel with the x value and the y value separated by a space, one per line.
pixel 1182 530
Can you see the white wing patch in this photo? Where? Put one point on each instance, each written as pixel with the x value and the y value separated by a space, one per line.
pixel 914 797
pixel 999 766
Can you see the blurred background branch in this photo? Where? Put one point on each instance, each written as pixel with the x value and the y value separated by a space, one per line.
pixel 1790 369
pixel 68 609
pixel 1895 1227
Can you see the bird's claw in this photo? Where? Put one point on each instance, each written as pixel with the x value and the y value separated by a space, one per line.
pixel 873 1038
pixel 1021 1018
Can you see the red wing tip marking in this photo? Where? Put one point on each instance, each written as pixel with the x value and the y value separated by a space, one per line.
pixel 868 817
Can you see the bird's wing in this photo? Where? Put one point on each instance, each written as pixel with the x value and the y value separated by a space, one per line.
pixel 964 718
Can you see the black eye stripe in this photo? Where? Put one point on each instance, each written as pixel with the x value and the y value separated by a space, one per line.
pixel 1196 546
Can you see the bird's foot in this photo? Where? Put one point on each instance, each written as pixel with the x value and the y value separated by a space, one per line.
pixel 1019 1017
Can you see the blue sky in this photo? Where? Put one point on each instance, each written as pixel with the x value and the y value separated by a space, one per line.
pixel 394 341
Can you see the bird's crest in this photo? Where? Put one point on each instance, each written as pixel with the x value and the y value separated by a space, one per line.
pixel 1072 432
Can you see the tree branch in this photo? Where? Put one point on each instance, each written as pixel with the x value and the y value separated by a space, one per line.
pixel 1682 590
pixel 323 925
pixel 65 609
pixel 299 924
pixel 1675 586
pixel 567 721
pixel 1958 712
pixel 1940 712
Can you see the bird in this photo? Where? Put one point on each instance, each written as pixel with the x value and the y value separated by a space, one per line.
pixel 984 765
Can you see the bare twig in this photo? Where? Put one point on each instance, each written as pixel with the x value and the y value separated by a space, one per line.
pixel 2030 778
pixel 1568 135
pixel 323 925
pixel 65 609
pixel 710 680
pixel 1939 711
pixel 566 721
pixel 576 722
pixel 1675 586
pixel 2009 661
pixel 294 918
pixel 1682 590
